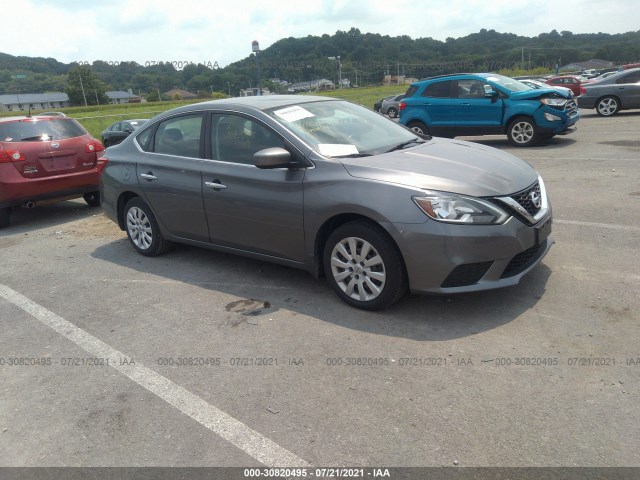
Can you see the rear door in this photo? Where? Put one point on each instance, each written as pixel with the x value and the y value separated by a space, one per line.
pixel 52 146
pixel 628 89
pixel 169 173
pixel 440 106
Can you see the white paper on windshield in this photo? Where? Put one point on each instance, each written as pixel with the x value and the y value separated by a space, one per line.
pixel 293 114
pixel 337 149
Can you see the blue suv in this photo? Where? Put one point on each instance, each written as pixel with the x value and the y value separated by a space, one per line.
pixel 487 104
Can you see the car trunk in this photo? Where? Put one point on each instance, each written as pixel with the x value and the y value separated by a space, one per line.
pixel 48 150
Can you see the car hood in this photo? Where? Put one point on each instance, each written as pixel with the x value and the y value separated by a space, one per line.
pixel 537 93
pixel 447 165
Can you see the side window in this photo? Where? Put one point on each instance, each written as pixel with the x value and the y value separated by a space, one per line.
pixel 410 91
pixel 438 90
pixel 179 136
pixel 471 89
pixel 117 127
pixel 235 138
pixel 630 78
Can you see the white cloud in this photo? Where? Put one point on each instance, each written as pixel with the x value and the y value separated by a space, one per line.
pixel 165 30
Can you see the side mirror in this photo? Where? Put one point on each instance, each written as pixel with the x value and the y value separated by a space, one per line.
pixel 274 157
pixel 128 129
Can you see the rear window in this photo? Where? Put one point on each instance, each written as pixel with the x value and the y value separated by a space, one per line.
pixel 410 91
pixel 35 130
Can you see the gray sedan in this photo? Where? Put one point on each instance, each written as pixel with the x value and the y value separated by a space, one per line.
pixel 612 94
pixel 332 188
pixel 391 106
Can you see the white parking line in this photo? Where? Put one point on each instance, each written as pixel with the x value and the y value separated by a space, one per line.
pixel 612 226
pixel 251 442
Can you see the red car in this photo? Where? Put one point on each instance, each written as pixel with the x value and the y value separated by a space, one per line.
pixel 46 158
pixel 569 81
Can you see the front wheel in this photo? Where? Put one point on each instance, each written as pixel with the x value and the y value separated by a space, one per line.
pixel 142 229
pixel 92 198
pixel 363 266
pixel 607 106
pixel 522 132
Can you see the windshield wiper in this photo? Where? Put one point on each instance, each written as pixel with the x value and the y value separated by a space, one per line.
pixel 353 155
pixel 405 144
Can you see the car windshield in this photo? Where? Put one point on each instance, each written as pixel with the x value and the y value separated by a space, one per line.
pixel 337 128
pixel 35 130
pixel 508 83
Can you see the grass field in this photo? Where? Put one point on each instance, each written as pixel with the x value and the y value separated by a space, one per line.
pixel 97 118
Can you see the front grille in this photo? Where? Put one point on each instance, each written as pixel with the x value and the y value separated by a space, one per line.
pixel 522 261
pixel 571 108
pixel 525 200
pixel 466 274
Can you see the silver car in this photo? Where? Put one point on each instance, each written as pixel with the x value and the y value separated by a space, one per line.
pixel 391 106
pixel 332 188
pixel 612 94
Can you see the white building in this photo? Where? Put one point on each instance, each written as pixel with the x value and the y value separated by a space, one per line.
pixel 34 101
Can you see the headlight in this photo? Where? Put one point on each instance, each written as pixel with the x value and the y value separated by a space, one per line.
pixel 450 208
pixel 554 102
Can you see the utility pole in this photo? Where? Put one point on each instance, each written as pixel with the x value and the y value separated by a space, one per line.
pixel 82 87
pixel 255 46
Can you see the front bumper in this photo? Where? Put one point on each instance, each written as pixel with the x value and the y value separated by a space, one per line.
pixel 444 258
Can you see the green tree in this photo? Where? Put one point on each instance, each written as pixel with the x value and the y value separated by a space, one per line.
pixel 84 88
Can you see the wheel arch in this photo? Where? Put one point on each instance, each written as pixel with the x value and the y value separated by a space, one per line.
pixel 122 201
pixel 336 221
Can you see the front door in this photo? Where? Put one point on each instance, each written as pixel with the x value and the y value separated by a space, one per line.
pixel 248 208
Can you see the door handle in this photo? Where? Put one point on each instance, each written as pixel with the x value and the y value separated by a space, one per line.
pixel 216 185
pixel 148 176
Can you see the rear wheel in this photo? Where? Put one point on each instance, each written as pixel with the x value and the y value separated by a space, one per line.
pixel 522 132
pixel 92 198
pixel 607 106
pixel 142 229
pixel 4 217
pixel 363 266
pixel 392 112
pixel 419 128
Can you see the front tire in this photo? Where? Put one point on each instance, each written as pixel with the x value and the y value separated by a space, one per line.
pixel 522 132
pixel 364 267
pixel 142 229
pixel 607 106
pixel 92 198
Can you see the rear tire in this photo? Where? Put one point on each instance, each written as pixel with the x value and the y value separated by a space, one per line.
pixel 392 112
pixel 142 229
pixel 607 106
pixel 419 128
pixel 5 213
pixel 363 266
pixel 92 198
pixel 522 132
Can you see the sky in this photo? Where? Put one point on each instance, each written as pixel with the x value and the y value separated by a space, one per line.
pixel 195 31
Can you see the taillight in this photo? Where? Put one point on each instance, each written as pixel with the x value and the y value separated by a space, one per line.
pixel 583 91
pixel 8 156
pixel 402 105
pixel 102 162
pixel 94 146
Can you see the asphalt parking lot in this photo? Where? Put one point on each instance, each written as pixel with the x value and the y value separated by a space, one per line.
pixel 197 358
